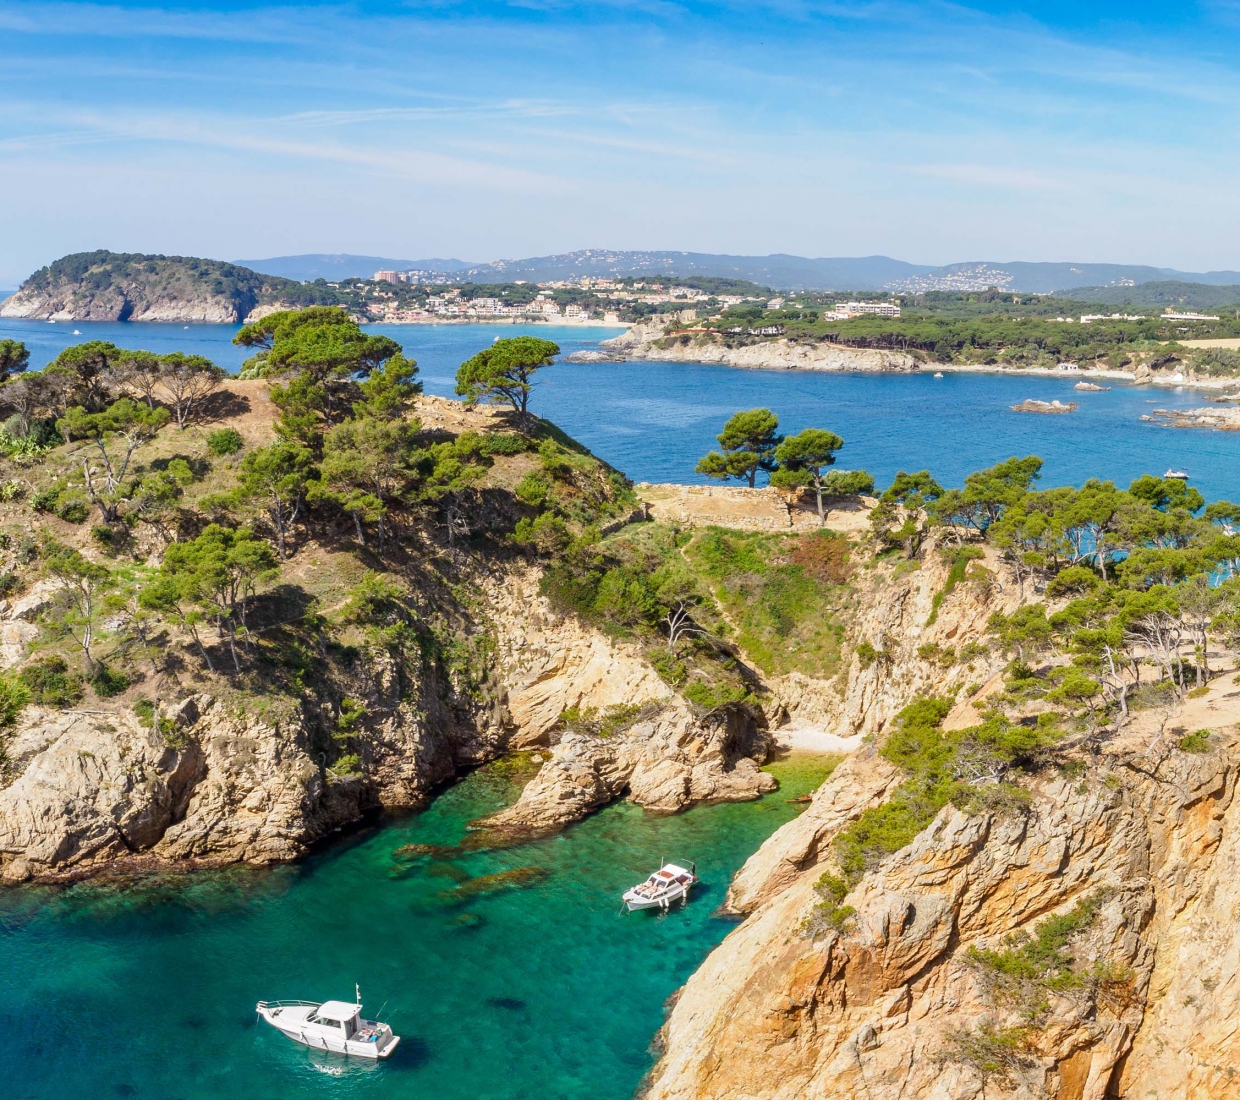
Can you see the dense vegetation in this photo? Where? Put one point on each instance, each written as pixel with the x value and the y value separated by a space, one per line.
pixel 283 561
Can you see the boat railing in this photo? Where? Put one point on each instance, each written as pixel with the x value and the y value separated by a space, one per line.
pixel 288 1004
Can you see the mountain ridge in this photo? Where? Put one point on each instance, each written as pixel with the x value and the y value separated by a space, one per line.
pixel 777 270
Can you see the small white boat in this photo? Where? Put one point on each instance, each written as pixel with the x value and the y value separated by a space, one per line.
pixel 668 884
pixel 77 332
pixel 1176 475
pixel 330 1025
pixel 938 374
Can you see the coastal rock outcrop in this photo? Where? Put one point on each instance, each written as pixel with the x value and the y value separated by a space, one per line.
pixel 666 761
pixel 1033 405
pixel 653 342
pixel 897 1001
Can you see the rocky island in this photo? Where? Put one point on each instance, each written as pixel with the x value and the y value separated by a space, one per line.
pixel 1033 405
pixel 326 595
pixel 112 286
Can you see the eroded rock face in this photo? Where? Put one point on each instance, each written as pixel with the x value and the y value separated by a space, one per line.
pixel 876 1010
pixel 666 763
pixel 651 342
pixel 91 789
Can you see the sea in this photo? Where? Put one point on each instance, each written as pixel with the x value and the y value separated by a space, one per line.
pixel 654 420
pixel 532 985
pixel 545 990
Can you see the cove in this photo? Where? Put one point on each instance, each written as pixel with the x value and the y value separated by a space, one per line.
pixel 654 420
pixel 526 985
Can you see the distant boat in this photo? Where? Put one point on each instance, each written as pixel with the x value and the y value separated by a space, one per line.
pixel 1176 475
pixel 668 884
pixel 938 374
pixel 331 1025
pixel 77 332
pixel 50 321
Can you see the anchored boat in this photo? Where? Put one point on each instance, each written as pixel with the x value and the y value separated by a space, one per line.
pixel 1175 475
pixel 330 1025
pixel 669 883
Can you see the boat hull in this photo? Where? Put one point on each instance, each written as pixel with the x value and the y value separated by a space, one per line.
pixel 636 901
pixel 296 1030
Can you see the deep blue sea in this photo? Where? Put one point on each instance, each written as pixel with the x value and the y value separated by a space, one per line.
pixel 654 420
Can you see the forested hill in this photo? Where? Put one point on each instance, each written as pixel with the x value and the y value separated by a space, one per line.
pixel 125 286
pixel 1164 292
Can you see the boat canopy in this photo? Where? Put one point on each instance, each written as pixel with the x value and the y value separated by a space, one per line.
pixel 336 1010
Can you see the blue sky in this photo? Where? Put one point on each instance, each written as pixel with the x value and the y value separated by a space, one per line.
pixel 933 132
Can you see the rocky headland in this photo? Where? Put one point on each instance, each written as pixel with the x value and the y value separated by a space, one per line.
pixel 108 286
pixel 653 341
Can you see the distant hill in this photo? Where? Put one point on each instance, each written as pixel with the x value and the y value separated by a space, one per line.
pixel 786 272
pixel 1165 292
pixel 129 286
pixel 336 266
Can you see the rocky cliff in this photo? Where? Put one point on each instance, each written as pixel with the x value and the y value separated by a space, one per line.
pixel 654 342
pixel 108 286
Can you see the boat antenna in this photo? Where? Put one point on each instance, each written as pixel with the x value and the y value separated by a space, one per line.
pixel 357 995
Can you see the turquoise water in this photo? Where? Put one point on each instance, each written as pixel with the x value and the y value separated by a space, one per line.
pixel 654 420
pixel 545 991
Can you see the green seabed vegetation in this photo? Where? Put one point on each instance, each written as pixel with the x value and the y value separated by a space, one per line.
pixel 509 972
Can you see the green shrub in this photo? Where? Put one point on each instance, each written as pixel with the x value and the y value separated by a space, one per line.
pixel 73 510
pixel 107 682
pixel 45 500
pixel 828 915
pixel 50 683
pixel 8 583
pixel 14 695
pixel 347 766
pixel 1196 742
pixel 994 1054
pixel 505 443
pixel 1031 966
pixel 227 441
pixel 867 654
pixel 109 538
pixel 711 696
pixel 533 489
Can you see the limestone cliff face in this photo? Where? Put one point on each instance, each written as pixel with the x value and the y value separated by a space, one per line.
pixel 878 1009
pixel 651 342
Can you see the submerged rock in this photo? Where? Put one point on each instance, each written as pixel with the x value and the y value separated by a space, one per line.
pixel 519 878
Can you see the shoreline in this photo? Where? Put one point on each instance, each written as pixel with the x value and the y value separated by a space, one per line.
pixel 1084 372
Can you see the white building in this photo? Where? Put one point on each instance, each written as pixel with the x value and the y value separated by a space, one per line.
pixel 1171 315
pixel 859 309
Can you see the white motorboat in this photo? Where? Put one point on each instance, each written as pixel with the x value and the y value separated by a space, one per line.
pixel 330 1025
pixel 1176 475
pixel 669 883
pixel 938 374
